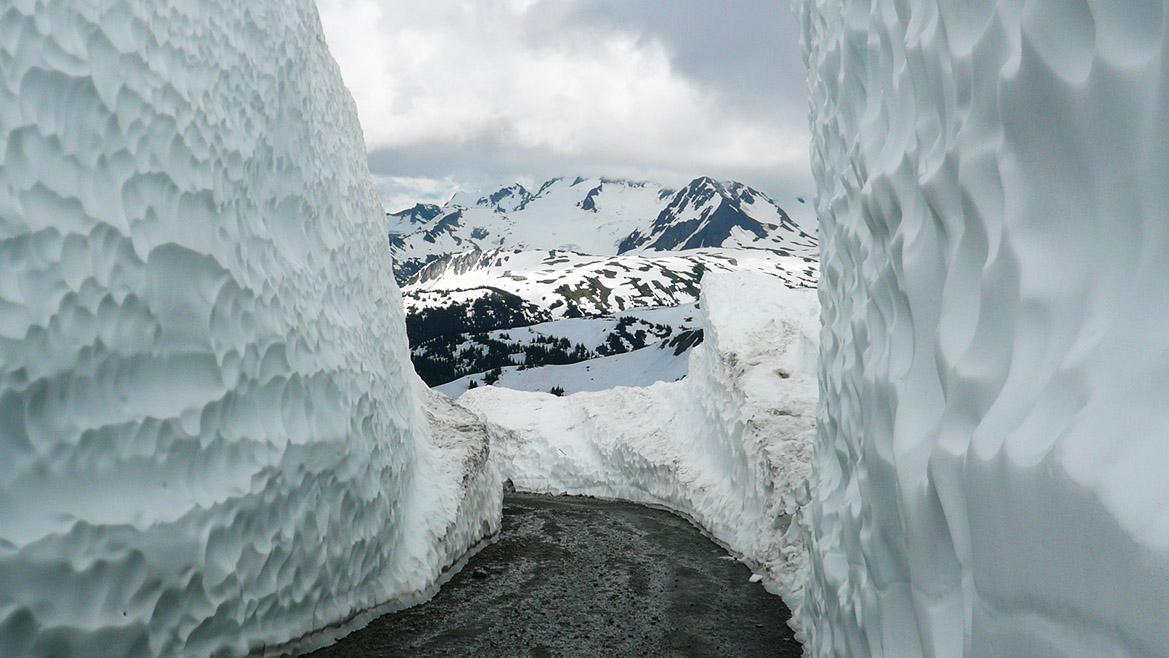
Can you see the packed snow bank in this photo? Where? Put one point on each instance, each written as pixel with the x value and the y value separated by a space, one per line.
pixel 729 445
pixel 211 437
pixel 991 462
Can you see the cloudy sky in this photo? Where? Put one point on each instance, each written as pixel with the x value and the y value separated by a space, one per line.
pixel 473 93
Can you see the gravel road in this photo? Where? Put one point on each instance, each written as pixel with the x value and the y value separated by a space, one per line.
pixel 580 577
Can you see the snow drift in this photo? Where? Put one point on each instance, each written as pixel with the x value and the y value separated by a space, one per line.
pixel 211 437
pixel 990 468
pixel 728 446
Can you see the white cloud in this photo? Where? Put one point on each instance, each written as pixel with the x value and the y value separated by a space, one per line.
pixel 401 192
pixel 524 75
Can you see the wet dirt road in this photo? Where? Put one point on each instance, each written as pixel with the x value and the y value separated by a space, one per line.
pixel 579 577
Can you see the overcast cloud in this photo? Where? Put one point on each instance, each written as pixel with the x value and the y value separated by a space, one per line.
pixel 472 93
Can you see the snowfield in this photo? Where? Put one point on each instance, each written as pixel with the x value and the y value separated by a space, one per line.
pixel 992 456
pixel 729 446
pixel 658 363
pixel 664 359
pixel 566 283
pixel 211 439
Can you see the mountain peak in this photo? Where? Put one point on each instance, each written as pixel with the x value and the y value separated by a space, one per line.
pixel 707 184
pixel 405 221
pixel 507 199
pixel 711 213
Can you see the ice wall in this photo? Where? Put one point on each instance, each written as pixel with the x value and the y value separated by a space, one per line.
pixel 729 446
pixel 211 439
pixel 991 462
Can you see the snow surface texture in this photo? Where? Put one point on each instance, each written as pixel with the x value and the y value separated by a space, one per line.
pixel 991 462
pixel 729 445
pixel 211 437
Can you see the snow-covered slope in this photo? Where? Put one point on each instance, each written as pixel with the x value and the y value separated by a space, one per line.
pixel 211 439
pixel 991 467
pixel 666 336
pixel 657 363
pixel 567 284
pixel 728 446
pixel 595 216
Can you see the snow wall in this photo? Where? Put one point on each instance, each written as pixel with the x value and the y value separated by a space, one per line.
pixel 729 446
pixel 211 437
pixel 991 462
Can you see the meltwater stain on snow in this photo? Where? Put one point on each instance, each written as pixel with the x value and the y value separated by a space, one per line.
pixel 582 577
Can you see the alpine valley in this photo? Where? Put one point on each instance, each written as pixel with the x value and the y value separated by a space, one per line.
pixel 581 284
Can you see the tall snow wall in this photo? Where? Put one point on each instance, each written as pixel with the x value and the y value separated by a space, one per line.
pixel 991 462
pixel 211 438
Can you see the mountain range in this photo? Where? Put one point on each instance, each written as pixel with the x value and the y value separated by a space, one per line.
pixel 597 216
pixel 478 270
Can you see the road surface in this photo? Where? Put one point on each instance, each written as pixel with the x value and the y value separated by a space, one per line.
pixel 579 577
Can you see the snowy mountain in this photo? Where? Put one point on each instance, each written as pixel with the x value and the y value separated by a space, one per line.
pixel 579 248
pixel 419 214
pixel 708 213
pixel 455 299
pixel 566 284
pixel 597 216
